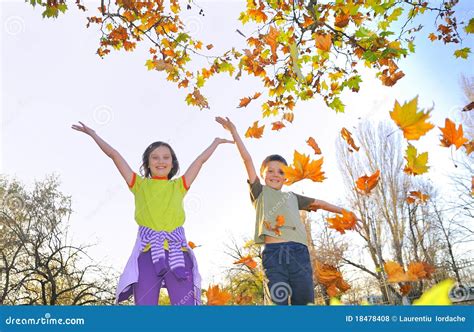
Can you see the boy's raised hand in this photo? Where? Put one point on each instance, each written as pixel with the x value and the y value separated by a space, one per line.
pixel 226 123
pixel 83 128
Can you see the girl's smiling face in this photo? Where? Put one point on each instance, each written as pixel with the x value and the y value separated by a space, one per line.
pixel 160 162
pixel 273 174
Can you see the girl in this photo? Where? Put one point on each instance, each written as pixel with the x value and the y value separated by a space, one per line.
pixel 161 256
pixel 285 258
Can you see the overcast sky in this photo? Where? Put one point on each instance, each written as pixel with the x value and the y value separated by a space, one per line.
pixel 52 78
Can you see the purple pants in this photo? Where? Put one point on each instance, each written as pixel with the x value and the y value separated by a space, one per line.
pixel 147 290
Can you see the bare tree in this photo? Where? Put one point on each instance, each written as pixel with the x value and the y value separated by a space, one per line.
pixel 40 265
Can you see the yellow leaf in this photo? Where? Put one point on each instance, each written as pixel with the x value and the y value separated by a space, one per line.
pixel 255 131
pixel 413 124
pixel 437 295
pixel 416 164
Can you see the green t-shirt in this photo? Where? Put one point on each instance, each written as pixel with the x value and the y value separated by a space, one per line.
pixel 270 203
pixel 159 202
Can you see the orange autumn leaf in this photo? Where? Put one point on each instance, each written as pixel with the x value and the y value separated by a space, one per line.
pixel 391 79
pixel 323 42
pixel 347 221
pixel 415 272
pixel 277 125
pixel 255 131
pixel 346 134
pixel 417 196
pixel 288 117
pixel 247 260
pixel 413 123
pixel 405 289
pixel 312 143
pixel 303 168
pixel 307 21
pixel 245 101
pixel 271 40
pixel 279 222
pixel 365 183
pixel 191 244
pixel 331 278
pixel 395 273
pixel 341 20
pixel 451 135
pixel 215 296
pixel 469 146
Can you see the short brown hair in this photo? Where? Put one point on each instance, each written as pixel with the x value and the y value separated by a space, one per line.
pixel 272 157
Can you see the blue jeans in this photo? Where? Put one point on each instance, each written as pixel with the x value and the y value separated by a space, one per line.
pixel 290 276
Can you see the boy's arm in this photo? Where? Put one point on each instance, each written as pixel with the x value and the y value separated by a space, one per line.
pixel 249 166
pixel 195 167
pixel 323 205
pixel 113 154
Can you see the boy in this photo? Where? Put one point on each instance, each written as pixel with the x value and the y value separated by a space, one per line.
pixel 278 226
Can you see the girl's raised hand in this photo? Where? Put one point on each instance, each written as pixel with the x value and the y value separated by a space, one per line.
pixel 83 128
pixel 219 140
pixel 226 123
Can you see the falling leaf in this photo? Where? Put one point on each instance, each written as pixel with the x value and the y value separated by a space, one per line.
pixel 346 134
pixel 288 117
pixel 417 196
pixel 277 125
pixel 192 245
pixel 451 135
pixel 365 183
pixel 437 295
pixel 323 42
pixel 279 222
pixel 416 271
pixel 432 37
pixel 462 53
pixel 312 143
pixel 413 124
pixel 331 278
pixel 347 221
pixel 416 164
pixel 245 101
pixel 468 107
pixel 469 146
pixel 303 168
pixel 247 260
pixel 255 131
pixel 215 296
pixel 210 46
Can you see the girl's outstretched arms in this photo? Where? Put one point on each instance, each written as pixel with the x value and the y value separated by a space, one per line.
pixel 195 167
pixel 118 160
pixel 249 166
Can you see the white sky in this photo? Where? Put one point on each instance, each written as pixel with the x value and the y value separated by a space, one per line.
pixel 52 78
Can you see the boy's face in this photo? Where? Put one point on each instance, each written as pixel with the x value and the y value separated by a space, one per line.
pixel 160 162
pixel 273 174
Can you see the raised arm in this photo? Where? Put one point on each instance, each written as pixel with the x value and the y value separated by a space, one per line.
pixel 195 167
pixel 118 160
pixel 249 166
